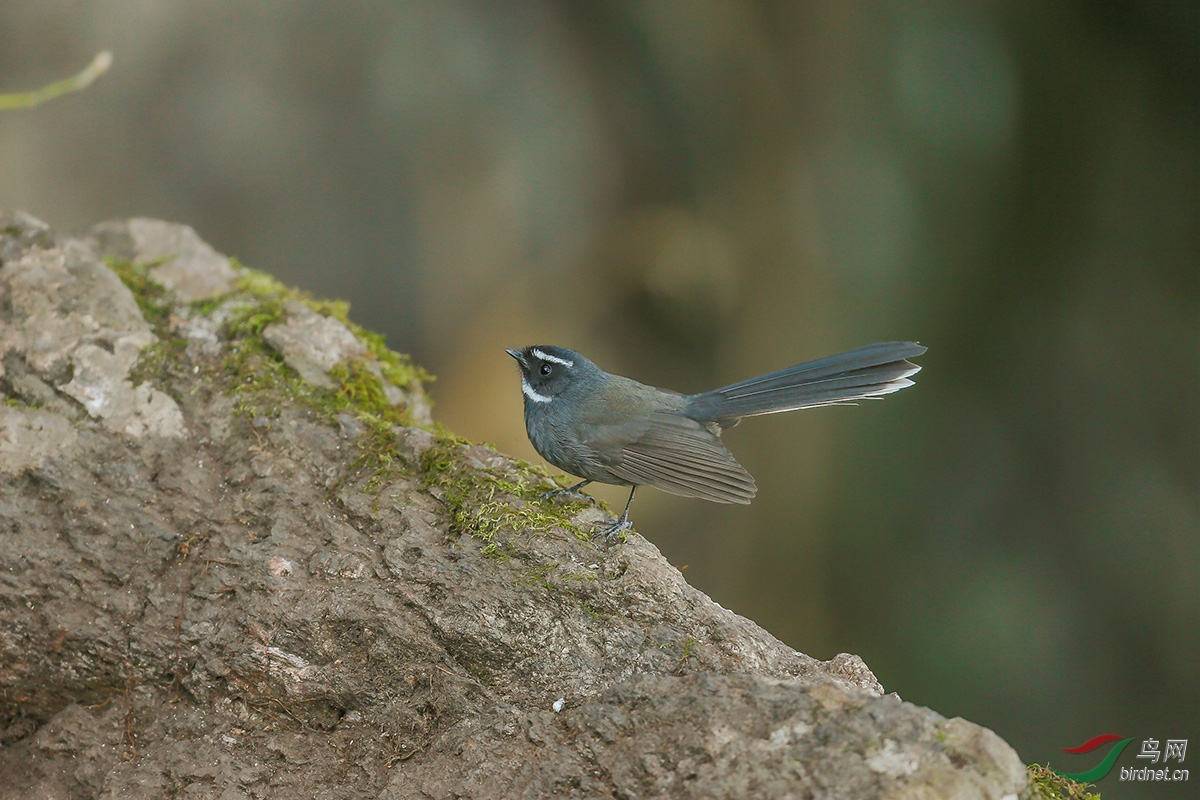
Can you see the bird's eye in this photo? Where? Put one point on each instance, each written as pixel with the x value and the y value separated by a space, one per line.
pixel 546 369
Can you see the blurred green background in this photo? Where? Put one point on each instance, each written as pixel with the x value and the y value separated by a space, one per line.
pixel 691 193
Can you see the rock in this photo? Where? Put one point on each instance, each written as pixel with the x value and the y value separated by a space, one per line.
pixel 101 384
pixel 67 314
pixel 726 736
pixel 29 437
pixel 190 267
pixel 277 585
pixel 313 344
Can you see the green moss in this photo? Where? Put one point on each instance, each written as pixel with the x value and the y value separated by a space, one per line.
pixel 262 380
pixel 258 379
pixel 263 301
pixel 258 283
pixel 689 648
pixel 18 403
pixel 399 370
pixel 540 576
pixel 271 295
pixel 158 361
pixel 154 300
pixel 1049 785
pixel 259 382
pixel 483 502
pixel 360 389
pixel 204 308
pixel 543 576
pixel 578 575
pixel 262 383
pixel 396 368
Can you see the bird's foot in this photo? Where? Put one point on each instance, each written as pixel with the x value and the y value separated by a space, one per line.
pixel 617 526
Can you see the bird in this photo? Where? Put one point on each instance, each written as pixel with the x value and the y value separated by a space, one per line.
pixel 606 428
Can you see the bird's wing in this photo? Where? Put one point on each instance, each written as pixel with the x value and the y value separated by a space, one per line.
pixel 678 455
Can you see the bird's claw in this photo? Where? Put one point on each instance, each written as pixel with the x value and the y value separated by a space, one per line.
pixel 619 525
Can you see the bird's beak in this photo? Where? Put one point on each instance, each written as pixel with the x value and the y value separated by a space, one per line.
pixel 519 356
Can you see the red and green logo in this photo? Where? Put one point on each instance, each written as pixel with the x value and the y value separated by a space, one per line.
pixel 1100 770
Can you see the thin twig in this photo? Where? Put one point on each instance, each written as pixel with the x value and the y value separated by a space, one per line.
pixel 100 65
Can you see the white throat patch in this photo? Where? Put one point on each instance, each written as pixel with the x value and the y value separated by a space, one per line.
pixel 553 359
pixel 528 391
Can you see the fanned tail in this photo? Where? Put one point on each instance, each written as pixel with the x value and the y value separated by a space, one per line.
pixel 870 371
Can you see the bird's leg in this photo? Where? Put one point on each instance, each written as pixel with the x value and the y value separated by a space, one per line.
pixel 622 523
pixel 572 490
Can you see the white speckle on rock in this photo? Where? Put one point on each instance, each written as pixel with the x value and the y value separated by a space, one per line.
pixel 279 566
pixel 558 704
pixel 282 664
pixel 790 733
pixel 893 761
pixel 101 385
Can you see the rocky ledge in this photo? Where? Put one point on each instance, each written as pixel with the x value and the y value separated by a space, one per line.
pixel 237 559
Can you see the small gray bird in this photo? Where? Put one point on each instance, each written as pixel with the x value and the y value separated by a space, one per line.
pixel 608 429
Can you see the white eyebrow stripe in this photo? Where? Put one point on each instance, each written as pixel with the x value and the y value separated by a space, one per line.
pixel 555 359
pixel 528 391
